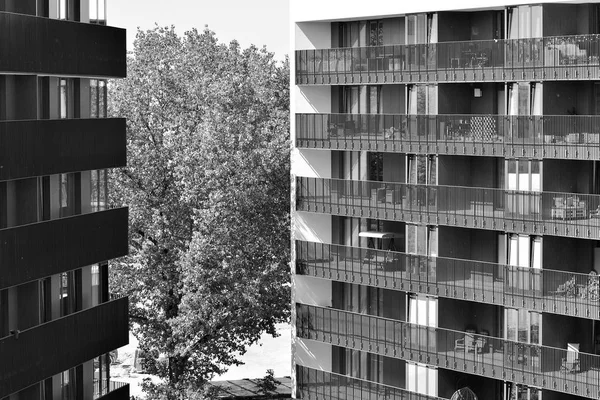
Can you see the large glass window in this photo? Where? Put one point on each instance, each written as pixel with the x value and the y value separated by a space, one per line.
pixel 98 98
pixel 98 12
pixel 99 190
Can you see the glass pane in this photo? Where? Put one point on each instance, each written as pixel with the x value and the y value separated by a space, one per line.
pixel 511 324
pixel 93 98
pixel 93 10
pixel 63 104
pixel 102 11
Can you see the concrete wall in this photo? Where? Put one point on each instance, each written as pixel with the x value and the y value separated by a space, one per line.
pixel 312 291
pixel 468 244
pixel 572 330
pixel 313 354
pixel 563 19
pixel 567 176
pixel 393 99
pixel 562 98
pixel 312 35
pixel 469 171
pixel 566 254
pixel 394 167
pixel 312 227
pixel 311 163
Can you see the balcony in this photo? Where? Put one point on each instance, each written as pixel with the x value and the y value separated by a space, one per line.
pixel 313 384
pixel 36 45
pixel 549 58
pixel 542 290
pixel 549 136
pixel 46 147
pixel 527 364
pixel 34 251
pixel 112 390
pixel 536 213
pixel 30 357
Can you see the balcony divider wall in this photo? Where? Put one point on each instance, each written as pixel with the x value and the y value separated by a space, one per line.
pixel 547 136
pixel 548 58
pixel 542 290
pixel 522 363
pixel 535 213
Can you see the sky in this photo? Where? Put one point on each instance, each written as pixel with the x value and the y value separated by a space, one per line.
pixel 258 22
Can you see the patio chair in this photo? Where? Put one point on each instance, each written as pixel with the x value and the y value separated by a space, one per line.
pixel 571 362
pixel 467 343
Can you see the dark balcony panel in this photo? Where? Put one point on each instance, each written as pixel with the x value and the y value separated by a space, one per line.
pixel 42 249
pixel 542 290
pixel 529 364
pixel 46 147
pixel 548 136
pixel 547 213
pixel 45 350
pixel 549 58
pixel 37 45
pixel 118 391
pixel 314 384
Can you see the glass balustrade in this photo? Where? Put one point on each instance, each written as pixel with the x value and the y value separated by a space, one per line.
pixel 554 57
pixel 559 136
pixel 551 213
pixel 544 290
pixel 529 364
pixel 313 384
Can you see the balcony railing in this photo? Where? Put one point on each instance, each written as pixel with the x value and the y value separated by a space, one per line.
pixel 528 364
pixel 28 357
pixel 45 147
pixel 535 213
pixel 107 389
pixel 543 290
pixel 40 45
pixel 42 249
pixel 550 136
pixel 560 57
pixel 313 384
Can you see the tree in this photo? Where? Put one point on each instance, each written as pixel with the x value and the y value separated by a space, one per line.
pixel 207 185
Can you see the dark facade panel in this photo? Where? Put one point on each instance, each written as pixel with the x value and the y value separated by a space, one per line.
pixel 56 346
pixel 42 249
pixel 121 393
pixel 45 147
pixel 39 45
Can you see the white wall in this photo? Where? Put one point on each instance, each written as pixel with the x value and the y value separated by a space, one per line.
pixel 311 163
pixel 319 10
pixel 312 35
pixel 312 291
pixel 313 354
pixel 312 99
pixel 311 227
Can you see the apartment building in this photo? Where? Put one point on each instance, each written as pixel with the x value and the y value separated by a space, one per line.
pixel 446 200
pixel 58 322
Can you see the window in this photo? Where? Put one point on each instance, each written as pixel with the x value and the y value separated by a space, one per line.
pixel 98 98
pixel 98 12
pixel 99 190
pixel 68 292
pixel 63 9
pixel 421 379
pixel 66 98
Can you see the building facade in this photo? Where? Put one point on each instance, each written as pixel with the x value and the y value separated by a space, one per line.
pixel 446 200
pixel 58 322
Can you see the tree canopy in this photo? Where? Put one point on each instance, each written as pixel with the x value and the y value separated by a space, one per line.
pixel 207 185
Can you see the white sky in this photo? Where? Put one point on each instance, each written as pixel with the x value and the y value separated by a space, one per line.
pixel 258 22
